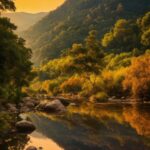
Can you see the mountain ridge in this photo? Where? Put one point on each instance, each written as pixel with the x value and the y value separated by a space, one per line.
pixel 58 31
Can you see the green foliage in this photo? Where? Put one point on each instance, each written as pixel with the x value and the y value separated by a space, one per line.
pixel 123 36
pixel 72 21
pixel 145 39
pixel 87 57
pixel 5 122
pixel 15 58
pixel 118 61
pixel 144 25
pixel 7 5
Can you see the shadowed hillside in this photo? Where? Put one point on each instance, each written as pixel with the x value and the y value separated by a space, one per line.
pixel 71 23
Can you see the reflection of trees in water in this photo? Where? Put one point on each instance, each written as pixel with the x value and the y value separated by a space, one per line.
pixel 102 128
pixel 139 119
pixel 138 116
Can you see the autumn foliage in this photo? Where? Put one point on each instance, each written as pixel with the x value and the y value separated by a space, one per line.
pixel 138 77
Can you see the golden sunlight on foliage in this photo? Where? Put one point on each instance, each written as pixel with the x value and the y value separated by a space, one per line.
pixel 113 81
pixel 138 77
pixel 72 85
pixel 120 36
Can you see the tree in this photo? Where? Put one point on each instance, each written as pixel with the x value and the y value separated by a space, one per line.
pixel 145 38
pixel 15 62
pixel 123 37
pixel 137 79
pixel 7 5
pixel 87 57
pixel 144 22
pixel 144 25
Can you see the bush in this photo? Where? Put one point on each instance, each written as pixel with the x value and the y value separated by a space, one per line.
pixel 92 85
pixel 137 79
pixel 99 97
pixel 113 81
pixel 72 85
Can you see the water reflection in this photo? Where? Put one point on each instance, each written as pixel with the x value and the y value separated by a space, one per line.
pixel 43 142
pixel 88 127
pixel 139 119
pixel 103 127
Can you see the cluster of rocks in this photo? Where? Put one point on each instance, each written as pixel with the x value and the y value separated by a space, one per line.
pixel 25 126
pixel 29 104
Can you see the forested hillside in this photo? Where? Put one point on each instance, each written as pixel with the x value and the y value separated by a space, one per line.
pixel 116 65
pixel 71 23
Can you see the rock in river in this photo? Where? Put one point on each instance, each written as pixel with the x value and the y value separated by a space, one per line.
pixel 52 106
pixel 31 148
pixel 25 126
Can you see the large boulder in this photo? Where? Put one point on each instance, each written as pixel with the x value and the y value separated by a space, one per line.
pixel 54 106
pixel 25 126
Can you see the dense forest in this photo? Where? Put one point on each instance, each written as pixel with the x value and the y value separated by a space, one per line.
pixel 116 65
pixel 71 22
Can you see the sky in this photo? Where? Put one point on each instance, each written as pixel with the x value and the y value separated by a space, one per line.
pixel 34 6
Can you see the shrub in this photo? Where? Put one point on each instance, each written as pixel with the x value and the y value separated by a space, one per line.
pixel 92 85
pixel 72 85
pixel 35 86
pixel 113 82
pixel 99 97
pixel 118 61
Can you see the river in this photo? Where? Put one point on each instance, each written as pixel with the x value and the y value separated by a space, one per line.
pixel 88 127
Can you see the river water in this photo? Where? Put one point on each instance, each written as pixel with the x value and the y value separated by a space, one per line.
pixel 89 127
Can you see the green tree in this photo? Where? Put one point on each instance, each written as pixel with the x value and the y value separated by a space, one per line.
pixel 144 25
pixel 123 37
pixel 7 5
pixel 87 57
pixel 15 62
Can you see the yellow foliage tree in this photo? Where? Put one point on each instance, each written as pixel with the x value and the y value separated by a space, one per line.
pixel 137 78
pixel 72 85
